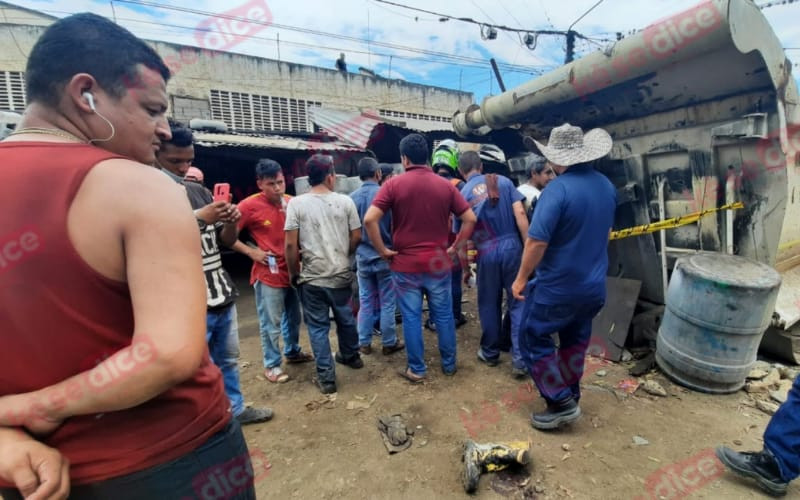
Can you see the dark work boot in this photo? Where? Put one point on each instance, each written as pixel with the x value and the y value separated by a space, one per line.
pixel 355 362
pixel 760 466
pixel 556 415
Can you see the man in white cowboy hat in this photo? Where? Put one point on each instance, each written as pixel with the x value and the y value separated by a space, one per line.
pixel 567 245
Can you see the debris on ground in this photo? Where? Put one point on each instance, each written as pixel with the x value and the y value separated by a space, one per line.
pixel 628 385
pixel 782 392
pixel 761 365
pixel 767 407
pixel 789 373
pixel 601 373
pixel 769 382
pixel 513 483
pixel 394 432
pixel 564 491
pixel 654 388
pixel 768 385
pixel 565 447
pixel 757 374
pixel 360 403
pixel 327 401
pixel 491 457
pixel 773 377
pixel 640 441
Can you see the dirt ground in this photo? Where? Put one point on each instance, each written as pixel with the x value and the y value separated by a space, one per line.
pixel 321 449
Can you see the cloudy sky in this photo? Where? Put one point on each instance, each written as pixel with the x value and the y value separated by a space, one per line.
pixel 397 41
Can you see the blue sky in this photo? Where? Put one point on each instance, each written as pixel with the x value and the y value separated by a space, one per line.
pixel 387 38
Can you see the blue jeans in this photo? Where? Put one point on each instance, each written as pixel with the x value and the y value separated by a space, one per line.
pixel 782 436
pixel 556 372
pixel 496 272
pixel 456 291
pixel 222 336
pixel 278 313
pixel 408 288
pixel 194 475
pixel 376 293
pixel 317 301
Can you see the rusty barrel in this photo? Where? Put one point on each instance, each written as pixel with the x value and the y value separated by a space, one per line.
pixel 717 309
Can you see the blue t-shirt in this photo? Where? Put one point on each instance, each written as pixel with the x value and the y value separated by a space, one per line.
pixel 574 215
pixel 367 257
pixel 496 229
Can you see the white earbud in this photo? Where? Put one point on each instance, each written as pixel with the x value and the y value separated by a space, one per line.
pixel 90 98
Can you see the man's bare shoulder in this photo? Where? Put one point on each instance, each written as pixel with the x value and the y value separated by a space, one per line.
pixel 126 183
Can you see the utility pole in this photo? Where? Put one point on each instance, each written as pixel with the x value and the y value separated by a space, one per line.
pixel 497 74
pixel 570 56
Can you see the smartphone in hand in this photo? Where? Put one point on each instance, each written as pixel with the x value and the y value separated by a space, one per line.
pixel 222 192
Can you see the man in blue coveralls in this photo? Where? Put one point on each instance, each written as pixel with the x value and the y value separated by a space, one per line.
pixel 501 228
pixel 779 462
pixel 567 245
pixel 375 288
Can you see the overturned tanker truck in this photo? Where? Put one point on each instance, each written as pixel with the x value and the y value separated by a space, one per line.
pixel 703 110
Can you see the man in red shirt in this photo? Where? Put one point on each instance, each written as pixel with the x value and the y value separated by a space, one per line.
pixel 421 203
pixel 263 215
pixel 106 386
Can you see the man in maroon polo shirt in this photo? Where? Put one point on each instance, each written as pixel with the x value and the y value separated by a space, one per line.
pixel 421 203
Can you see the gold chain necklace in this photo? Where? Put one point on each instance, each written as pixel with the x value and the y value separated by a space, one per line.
pixel 48 131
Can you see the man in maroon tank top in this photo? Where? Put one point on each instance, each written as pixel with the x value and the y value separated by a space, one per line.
pixel 102 326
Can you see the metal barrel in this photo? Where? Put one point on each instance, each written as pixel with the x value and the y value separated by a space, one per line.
pixel 717 309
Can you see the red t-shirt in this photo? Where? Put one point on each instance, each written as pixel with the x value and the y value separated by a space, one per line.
pixel 265 222
pixel 421 203
pixel 59 317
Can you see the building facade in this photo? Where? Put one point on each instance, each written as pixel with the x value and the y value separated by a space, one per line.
pixel 247 93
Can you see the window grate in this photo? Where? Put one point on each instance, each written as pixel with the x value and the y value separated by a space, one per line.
pixel 12 91
pixel 418 116
pixel 241 111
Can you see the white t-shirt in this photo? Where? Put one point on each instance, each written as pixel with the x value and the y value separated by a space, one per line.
pixel 530 193
pixel 324 222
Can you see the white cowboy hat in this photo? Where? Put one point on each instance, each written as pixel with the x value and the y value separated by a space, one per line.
pixel 569 146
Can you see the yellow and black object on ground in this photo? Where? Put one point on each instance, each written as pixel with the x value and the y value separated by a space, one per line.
pixel 491 457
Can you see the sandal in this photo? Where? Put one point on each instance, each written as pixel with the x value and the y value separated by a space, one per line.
pixel 411 376
pixel 276 375
pixel 300 357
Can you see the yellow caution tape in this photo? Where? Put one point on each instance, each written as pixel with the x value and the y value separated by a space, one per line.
pixel 671 223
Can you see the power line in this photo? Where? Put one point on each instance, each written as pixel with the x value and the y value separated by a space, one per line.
pixel 525 70
pixel 479 23
pixel 393 46
pixel 775 3
pixel 546 16
pixel 509 13
pixel 489 18
pixel 479 64
pixel 584 15
pixel 530 40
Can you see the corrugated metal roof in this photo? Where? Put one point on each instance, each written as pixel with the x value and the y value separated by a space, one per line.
pixel 211 140
pixel 352 127
pixel 358 127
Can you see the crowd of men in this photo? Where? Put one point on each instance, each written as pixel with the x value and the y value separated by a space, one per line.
pixel 119 376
